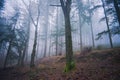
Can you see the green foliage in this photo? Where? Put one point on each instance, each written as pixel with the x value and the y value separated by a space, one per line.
pixel 69 66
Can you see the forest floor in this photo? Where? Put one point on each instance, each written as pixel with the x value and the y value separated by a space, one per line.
pixel 96 65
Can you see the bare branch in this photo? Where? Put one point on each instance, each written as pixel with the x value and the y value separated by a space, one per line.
pixel 28 8
pixel 55 5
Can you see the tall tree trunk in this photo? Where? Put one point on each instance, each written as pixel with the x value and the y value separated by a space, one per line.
pixel 50 44
pixel 25 50
pixel 32 64
pixel 91 26
pixel 109 32
pixel 20 56
pixel 28 38
pixel 66 6
pixel 8 53
pixel 93 42
pixel 50 31
pixel 81 45
pixel 23 55
pixel 57 32
pixel 61 41
pixel 80 25
pixel 45 48
pixel 68 41
pixel 46 30
pixel 38 45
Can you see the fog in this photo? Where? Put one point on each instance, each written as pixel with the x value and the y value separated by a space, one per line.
pixel 51 30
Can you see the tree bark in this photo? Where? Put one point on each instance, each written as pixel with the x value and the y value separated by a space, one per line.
pixel 66 6
pixel 8 53
pixel 23 55
pixel 32 64
pixel 109 33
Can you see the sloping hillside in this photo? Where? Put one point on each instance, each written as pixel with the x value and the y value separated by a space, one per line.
pixel 96 65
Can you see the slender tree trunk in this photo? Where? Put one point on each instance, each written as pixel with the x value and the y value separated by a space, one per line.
pixel 61 41
pixel 81 45
pixel 45 49
pixel 50 40
pixel 109 32
pixel 25 50
pixel 57 33
pixel 20 56
pixel 8 53
pixel 91 26
pixel 50 47
pixel 93 42
pixel 23 55
pixel 80 25
pixel 38 45
pixel 46 30
pixel 28 38
pixel 32 64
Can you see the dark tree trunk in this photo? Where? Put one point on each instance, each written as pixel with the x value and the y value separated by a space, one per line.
pixel 81 46
pixel 32 64
pixel 68 41
pixel 23 55
pixel 25 50
pixel 66 6
pixel 109 32
pixel 20 57
pixel 8 53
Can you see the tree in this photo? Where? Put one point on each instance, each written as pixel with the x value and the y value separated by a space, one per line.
pixel 27 34
pixel 2 4
pixel 11 37
pixel 36 24
pixel 66 7
pixel 117 9
pixel 110 38
pixel 32 64
pixel 107 23
pixel 91 25
pixel 112 11
pixel 46 29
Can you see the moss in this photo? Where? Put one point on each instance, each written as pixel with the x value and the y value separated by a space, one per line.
pixel 69 66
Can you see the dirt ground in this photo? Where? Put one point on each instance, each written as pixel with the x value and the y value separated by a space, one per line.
pixel 96 65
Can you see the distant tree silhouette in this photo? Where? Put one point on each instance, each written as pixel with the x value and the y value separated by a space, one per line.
pixel 2 4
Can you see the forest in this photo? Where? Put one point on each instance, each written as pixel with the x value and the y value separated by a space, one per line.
pixel 59 39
